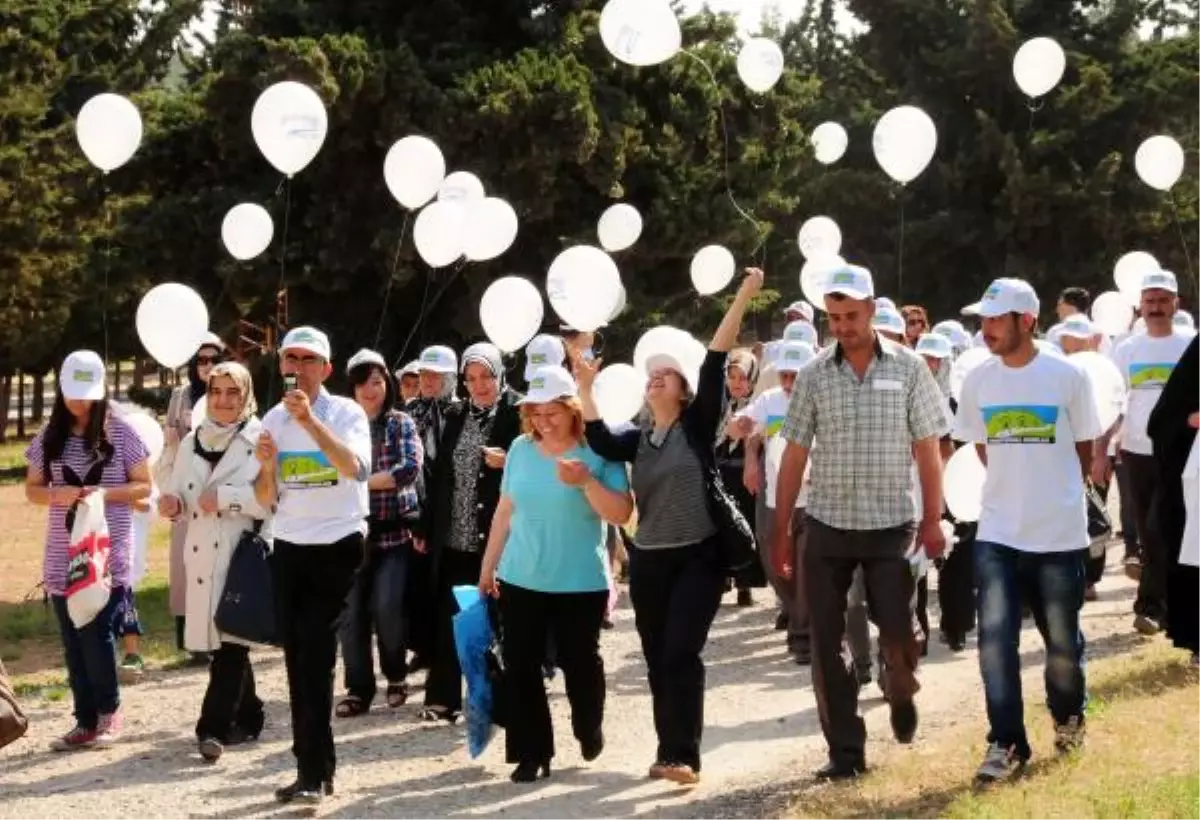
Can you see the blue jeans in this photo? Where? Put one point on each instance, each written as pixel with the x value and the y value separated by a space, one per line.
pixel 376 600
pixel 91 659
pixel 1053 585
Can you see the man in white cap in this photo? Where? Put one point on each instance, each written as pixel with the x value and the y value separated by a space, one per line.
pixel 1146 361
pixel 315 451
pixel 800 311
pixel 1077 334
pixel 874 406
pixel 1029 413
pixel 408 380
pixel 889 323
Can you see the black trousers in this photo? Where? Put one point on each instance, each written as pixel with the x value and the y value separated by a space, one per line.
pixel 311 585
pixel 1144 481
pixel 527 617
pixel 231 700
pixel 676 593
pixel 443 686
pixel 956 590
pixel 420 604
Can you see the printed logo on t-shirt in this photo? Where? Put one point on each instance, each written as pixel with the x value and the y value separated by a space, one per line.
pixel 1021 423
pixel 774 425
pixel 1148 376
pixel 307 470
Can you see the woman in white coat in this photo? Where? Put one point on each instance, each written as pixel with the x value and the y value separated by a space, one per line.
pixel 211 491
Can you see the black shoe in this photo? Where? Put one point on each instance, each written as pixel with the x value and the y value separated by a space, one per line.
pixel 745 598
pixel 904 720
pixel 955 641
pixel 529 772
pixel 592 747
pixel 237 736
pixel 838 770
pixel 210 749
pixel 304 792
pixel 607 624
pixel 198 659
pixel 802 657
pixel 781 622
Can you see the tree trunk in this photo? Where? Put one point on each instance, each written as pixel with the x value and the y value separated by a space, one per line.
pixel 39 398
pixel 20 406
pixel 5 394
pixel 116 393
pixel 139 374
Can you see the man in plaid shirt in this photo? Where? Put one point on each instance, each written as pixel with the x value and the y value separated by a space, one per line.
pixel 874 406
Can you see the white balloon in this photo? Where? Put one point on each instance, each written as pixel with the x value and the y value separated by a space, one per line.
pixel 713 267
pixel 620 304
pixel 640 32
pixel 620 392
pixel 814 275
pixel 819 236
pixel 172 321
pixel 1112 312
pixel 438 233
pixel 1038 66
pixel 1159 162
pixel 490 228
pixel 109 130
pixel 413 170
pixel 148 430
pixel 660 339
pixel 1128 273
pixel 289 124
pixel 199 411
pixel 619 227
pixel 247 230
pixel 829 141
pixel 511 312
pixel 904 142
pixel 1108 385
pixel 962 484
pixel 760 64
pixel 963 365
pixel 584 287
pixel 460 186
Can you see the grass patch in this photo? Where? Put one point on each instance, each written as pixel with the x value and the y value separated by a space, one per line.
pixel 1140 757
pixel 12 454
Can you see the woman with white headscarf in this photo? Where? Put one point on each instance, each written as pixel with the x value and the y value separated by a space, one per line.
pixel 210 493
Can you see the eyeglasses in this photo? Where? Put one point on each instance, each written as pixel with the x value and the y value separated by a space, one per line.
pixel 203 360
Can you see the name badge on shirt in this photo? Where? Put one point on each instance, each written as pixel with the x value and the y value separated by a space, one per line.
pixel 888 384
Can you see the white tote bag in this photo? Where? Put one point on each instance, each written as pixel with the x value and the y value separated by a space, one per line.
pixel 89 584
pixel 1189 551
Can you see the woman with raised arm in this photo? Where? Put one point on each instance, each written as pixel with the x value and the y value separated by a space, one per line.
pixel 677 566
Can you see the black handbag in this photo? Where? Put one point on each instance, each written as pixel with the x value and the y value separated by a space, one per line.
pixel 246 610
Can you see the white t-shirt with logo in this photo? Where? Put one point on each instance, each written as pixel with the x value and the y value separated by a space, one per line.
pixel 318 505
pixel 1030 418
pixel 1146 362
pixel 768 411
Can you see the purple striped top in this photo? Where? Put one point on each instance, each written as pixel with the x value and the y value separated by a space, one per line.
pixel 128 452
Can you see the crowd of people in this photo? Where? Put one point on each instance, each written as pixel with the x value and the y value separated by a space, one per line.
pixel 379 503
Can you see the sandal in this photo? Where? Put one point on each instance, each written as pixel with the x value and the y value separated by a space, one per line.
pixel 439 714
pixel 352 706
pixel 397 695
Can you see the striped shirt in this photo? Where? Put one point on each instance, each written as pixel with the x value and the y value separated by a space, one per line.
pixel 128 453
pixel 668 481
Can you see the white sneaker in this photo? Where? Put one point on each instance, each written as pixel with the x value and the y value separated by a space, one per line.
pixel 999 764
pixel 108 730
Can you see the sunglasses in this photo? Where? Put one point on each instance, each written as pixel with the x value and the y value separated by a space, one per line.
pixel 201 360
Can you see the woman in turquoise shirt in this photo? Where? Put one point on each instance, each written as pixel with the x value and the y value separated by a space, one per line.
pixel 545 565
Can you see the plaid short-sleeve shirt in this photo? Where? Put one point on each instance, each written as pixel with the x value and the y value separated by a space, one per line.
pixel 862 471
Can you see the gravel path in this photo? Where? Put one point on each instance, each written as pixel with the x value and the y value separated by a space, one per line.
pixel 761 738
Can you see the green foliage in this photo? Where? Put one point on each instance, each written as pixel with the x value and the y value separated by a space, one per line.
pixel 523 94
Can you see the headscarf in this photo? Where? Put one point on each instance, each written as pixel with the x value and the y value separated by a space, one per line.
pixel 489 356
pixel 212 437
pixel 744 361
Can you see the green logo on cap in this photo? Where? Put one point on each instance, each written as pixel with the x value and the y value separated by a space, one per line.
pixel 992 292
pixel 791 354
pixel 430 356
pixel 537 358
pixel 843 277
pixel 305 336
pixel 85 376
pixel 538 383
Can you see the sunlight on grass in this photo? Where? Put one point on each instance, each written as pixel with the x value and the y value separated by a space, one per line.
pixel 1134 764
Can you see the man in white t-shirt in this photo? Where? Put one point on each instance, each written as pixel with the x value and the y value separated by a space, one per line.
pixel 1028 413
pixel 1146 361
pixel 759 424
pixel 317 448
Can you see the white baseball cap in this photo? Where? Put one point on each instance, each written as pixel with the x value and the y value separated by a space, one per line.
pixel 852 281
pixel 889 321
pixel 1184 320
pixel 934 345
pixel 884 303
pixel 971 309
pixel 543 350
pixel 793 356
pixel 413 368
pixel 1077 326
pixel 1160 280
pixel 82 376
pixel 550 383
pixel 1009 296
pixel 953 330
pixel 307 338
pixel 803 308
pixel 438 359
pixel 800 332
pixel 365 356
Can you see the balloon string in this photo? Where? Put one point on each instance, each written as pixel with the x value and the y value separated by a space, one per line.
pixel 762 239
pixel 286 186
pixel 1187 255
pixel 107 262
pixel 427 306
pixel 900 251
pixel 391 278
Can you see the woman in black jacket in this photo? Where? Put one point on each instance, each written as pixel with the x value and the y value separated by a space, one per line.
pixel 463 491
pixel 676 566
